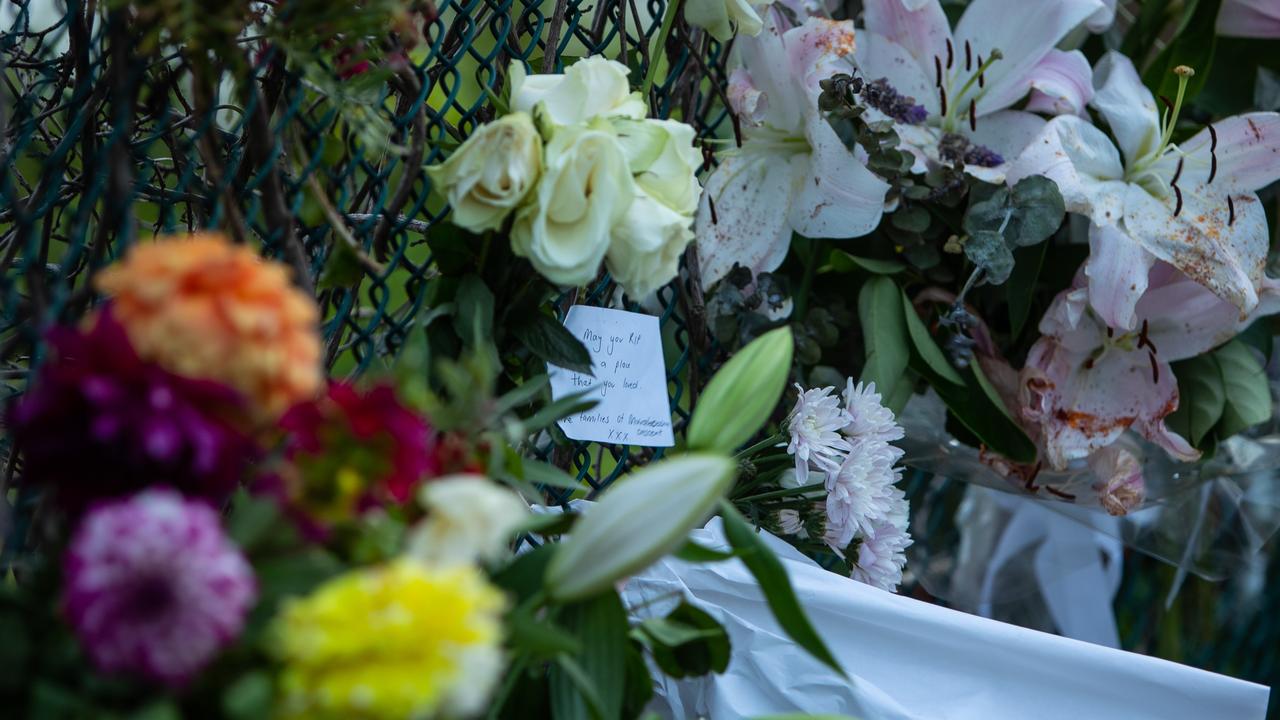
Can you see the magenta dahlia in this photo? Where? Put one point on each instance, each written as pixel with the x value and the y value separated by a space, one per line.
pixel 99 422
pixel 154 588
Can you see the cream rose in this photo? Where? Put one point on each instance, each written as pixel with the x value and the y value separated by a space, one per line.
pixel 491 172
pixel 646 247
pixel 590 88
pixel 586 188
pixel 722 18
pixel 664 160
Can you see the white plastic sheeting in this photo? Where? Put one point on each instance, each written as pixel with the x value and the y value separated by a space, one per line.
pixel 908 659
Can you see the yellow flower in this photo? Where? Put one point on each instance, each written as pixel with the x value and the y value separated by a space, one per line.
pixel 395 641
pixel 205 308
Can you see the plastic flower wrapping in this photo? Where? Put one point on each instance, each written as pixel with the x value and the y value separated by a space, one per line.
pixel 328 451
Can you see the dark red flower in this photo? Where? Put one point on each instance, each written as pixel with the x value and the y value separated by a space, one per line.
pixel 353 448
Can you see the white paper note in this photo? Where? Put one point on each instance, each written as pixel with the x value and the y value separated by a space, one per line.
pixel 630 379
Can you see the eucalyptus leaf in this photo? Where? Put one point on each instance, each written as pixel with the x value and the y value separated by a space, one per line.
pixel 1038 211
pixel 1248 395
pixel 988 250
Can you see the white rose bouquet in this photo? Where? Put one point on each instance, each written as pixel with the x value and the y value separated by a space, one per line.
pixel 576 175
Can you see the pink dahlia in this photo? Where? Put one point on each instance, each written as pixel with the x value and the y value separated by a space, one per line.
pixel 153 586
pixel 99 422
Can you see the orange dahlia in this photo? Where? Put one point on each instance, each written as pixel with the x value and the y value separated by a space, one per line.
pixel 203 307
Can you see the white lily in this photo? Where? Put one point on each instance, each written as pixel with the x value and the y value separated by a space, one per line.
pixel 792 173
pixel 1193 206
pixel 965 81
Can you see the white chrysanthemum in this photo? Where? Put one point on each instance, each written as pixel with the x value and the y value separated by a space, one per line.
pixel 860 492
pixel 814 426
pixel 868 417
pixel 881 552
pixel 790 522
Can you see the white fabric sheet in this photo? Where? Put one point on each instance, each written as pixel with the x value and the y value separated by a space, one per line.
pixel 911 660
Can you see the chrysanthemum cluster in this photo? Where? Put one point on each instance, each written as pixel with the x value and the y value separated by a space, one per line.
pixel 848 440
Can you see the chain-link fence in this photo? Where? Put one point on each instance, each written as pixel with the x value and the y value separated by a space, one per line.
pixel 102 144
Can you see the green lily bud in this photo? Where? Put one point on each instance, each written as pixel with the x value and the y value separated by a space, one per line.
pixel 643 517
pixel 742 395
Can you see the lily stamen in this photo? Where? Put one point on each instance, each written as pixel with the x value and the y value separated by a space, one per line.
pixel 973 115
pixel 1155 368
pixel 1177 192
pixel 1231 212
pixel 968 57
pixel 937 68
pixel 950 54
pixel 981 76
pixel 1177 173
pixel 942 101
pixel 1213 155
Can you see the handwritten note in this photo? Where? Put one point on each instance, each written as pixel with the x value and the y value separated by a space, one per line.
pixel 630 379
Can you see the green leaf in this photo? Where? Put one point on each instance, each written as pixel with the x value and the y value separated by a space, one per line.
pixel 884 332
pixel 252 519
pixel 547 524
pixel 564 407
pixel 1193 44
pixel 524 576
pixel 600 625
pixel 772 577
pixel 727 415
pixel 926 348
pixel 842 262
pixel 539 638
pixel 1202 398
pixel 1020 289
pixel 551 342
pixel 987 420
pixel 686 643
pixel 549 475
pixel 249 697
pixel 474 318
pixel 1248 395
pixel 695 553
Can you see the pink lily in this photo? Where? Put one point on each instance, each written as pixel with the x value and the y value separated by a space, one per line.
pixel 1193 206
pixel 1249 18
pixel 1085 383
pixel 792 172
pixel 965 86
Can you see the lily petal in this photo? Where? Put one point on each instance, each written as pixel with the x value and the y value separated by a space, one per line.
pixel 1185 319
pixel 750 192
pixel 1202 239
pixel 1248 152
pixel 1024 33
pixel 920 27
pixel 762 56
pixel 1008 132
pixel 835 195
pixel 1082 161
pixel 818 49
pixel 879 57
pixel 1061 84
pixel 1084 403
pixel 1127 105
pixel 1117 269
pixel 1102 18
pixel 746 100
pixel 1249 18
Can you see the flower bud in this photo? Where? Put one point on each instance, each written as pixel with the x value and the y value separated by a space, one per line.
pixel 743 394
pixel 638 520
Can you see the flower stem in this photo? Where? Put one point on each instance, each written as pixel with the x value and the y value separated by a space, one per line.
pixel 806 282
pixel 668 19
pixel 785 492
pixel 767 442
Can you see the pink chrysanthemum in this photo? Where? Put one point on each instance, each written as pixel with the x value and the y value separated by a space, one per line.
pixel 154 587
